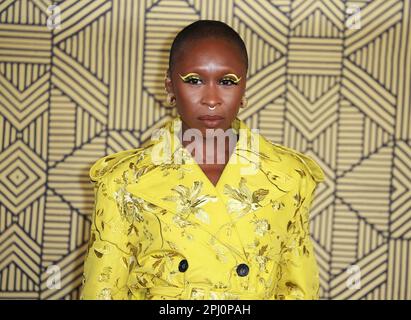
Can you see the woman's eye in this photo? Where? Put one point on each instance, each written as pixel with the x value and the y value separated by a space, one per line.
pixel 228 82
pixel 193 80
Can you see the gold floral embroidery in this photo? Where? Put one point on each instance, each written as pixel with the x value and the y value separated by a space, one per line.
pixel 197 294
pixel 105 294
pixel 130 206
pixel 105 275
pixel 160 262
pixel 272 245
pixel 220 250
pixel 261 227
pixel 277 205
pixel 189 201
pixel 242 201
pixel 180 156
pixel 294 290
pixel 100 251
pixel 262 262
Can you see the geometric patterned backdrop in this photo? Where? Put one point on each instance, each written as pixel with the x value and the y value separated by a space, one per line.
pixel 328 78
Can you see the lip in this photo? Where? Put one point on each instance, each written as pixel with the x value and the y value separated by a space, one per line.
pixel 211 121
pixel 211 118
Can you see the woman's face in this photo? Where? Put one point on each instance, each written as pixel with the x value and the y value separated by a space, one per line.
pixel 206 74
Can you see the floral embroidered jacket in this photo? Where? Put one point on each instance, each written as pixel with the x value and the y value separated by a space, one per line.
pixel 161 230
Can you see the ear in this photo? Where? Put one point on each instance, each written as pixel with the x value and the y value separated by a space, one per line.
pixel 168 83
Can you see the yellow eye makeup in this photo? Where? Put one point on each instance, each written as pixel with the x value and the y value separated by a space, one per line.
pixel 232 77
pixel 190 75
pixel 195 76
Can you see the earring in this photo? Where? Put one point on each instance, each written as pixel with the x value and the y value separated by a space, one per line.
pixel 170 101
pixel 244 102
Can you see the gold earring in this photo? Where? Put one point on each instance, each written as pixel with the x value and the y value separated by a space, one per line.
pixel 170 102
pixel 244 102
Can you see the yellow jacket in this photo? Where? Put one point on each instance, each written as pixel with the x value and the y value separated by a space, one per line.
pixel 162 230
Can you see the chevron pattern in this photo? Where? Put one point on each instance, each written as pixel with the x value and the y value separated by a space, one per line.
pixel 94 85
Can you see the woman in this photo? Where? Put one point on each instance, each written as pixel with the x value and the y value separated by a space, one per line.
pixel 186 218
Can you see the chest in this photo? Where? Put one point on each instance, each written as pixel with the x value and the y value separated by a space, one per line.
pixel 212 172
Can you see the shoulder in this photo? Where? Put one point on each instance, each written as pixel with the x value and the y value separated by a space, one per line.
pixel 308 163
pixel 116 162
pixel 297 160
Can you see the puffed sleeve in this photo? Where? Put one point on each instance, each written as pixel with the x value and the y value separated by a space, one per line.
pixel 108 260
pixel 298 272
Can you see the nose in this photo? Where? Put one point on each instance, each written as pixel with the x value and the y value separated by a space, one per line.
pixel 211 95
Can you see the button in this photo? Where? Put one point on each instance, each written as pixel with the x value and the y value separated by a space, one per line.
pixel 183 265
pixel 242 269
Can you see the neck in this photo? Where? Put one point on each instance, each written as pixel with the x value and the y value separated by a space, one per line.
pixel 213 150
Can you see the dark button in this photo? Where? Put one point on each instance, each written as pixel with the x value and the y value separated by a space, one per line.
pixel 183 265
pixel 242 269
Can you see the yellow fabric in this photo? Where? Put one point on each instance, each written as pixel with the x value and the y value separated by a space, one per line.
pixel 152 211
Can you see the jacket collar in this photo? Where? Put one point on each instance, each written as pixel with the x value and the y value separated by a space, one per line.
pixel 172 171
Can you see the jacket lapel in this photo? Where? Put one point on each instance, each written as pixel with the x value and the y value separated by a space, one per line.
pixel 254 177
pixel 175 182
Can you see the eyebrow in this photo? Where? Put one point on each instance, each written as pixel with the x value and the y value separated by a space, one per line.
pixel 237 79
